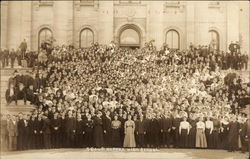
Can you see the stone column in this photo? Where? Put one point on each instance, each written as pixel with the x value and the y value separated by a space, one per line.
pixel 232 22
pixel 190 23
pixel 155 24
pixel 202 26
pixel 63 22
pixel 244 26
pixel 26 22
pixel 14 24
pixel 106 22
pixel 4 24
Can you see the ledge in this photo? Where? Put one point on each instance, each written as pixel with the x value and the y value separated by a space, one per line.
pixel 44 3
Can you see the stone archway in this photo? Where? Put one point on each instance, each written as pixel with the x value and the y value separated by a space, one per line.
pixel 129 35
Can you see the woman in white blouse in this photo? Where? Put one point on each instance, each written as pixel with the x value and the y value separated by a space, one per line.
pixel 184 131
pixel 200 134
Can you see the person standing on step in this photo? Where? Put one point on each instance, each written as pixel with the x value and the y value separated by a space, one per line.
pixel 12 57
pixel 13 133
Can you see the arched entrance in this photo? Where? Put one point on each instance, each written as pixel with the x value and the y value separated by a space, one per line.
pixel 130 37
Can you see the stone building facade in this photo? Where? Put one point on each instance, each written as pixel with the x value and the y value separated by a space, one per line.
pixel 127 22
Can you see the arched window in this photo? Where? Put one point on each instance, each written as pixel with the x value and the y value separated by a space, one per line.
pixel 130 38
pixel 214 40
pixel 86 37
pixel 173 39
pixel 44 35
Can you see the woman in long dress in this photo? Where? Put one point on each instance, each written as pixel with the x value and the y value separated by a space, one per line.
pixel 201 141
pixel 116 137
pixel 184 131
pixel 129 129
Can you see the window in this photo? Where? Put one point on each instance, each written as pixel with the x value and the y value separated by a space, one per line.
pixel 129 37
pixel 214 40
pixel 45 34
pixel 86 37
pixel 173 39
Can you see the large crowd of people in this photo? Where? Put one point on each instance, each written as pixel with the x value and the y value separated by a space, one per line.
pixel 106 96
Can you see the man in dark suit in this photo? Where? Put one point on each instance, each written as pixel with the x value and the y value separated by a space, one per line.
pixel 148 136
pixel 175 130
pixel 21 93
pixel 55 124
pixel 233 134
pixel 231 47
pixel 140 130
pixel 166 126
pixel 156 130
pixel 33 132
pixel 88 131
pixel 107 129
pixel 23 48
pixel 46 132
pixel 30 94
pixel 12 57
pixel 70 129
pixel 38 127
pixel 243 135
pixel 79 132
pixel 23 132
pixel 5 56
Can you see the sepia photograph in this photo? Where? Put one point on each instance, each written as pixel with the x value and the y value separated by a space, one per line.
pixel 124 79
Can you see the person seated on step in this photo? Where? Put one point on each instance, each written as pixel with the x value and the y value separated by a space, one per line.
pixel 21 94
pixel 11 94
pixel 30 93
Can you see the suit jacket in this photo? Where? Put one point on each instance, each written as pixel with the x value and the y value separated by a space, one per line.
pixel 12 128
pixel 32 126
pixel 106 123
pixel 88 125
pixel 22 127
pixel 55 123
pixel 70 124
pixel 46 126
pixel 166 123
pixel 79 126
pixel 140 126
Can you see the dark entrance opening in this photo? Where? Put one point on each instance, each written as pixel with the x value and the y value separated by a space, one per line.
pixel 130 37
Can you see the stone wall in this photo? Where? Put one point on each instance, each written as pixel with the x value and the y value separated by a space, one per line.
pixel 193 20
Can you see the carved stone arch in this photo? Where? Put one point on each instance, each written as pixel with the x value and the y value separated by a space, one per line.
pixel 130 25
pixel 219 34
pixel 93 29
pixel 39 29
pixel 180 33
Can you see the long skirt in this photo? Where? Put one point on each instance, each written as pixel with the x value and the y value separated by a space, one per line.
pixel 215 139
pixel 191 138
pixel 209 138
pixel 116 138
pixel 200 139
pixel 183 138
pixel 129 140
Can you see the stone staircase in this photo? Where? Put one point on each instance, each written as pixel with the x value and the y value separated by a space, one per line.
pixel 12 108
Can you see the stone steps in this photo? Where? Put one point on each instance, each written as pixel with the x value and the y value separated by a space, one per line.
pixel 12 108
